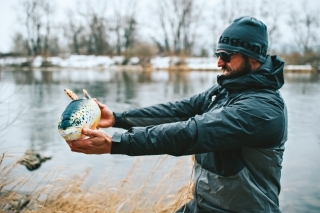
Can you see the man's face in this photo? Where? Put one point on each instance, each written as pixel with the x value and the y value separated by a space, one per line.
pixel 237 66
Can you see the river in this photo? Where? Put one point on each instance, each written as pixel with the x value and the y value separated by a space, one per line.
pixel 31 103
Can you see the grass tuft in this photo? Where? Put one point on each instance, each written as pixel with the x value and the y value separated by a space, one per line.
pixel 139 191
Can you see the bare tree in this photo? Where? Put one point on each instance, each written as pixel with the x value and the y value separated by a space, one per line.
pixel 73 31
pixel 130 27
pixel 96 26
pixel 305 25
pixel 163 26
pixel 117 27
pixel 192 16
pixel 37 18
pixel 98 34
pixel 178 22
pixel 124 24
pixel 271 13
pixel 20 44
pixel 48 11
pixel 33 14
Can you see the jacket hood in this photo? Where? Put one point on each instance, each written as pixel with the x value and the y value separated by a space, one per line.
pixel 269 75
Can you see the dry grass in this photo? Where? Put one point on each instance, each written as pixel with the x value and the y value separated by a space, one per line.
pixel 140 190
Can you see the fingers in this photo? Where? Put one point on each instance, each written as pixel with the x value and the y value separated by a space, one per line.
pixel 82 141
pixel 97 142
pixel 70 143
pixel 89 132
pixel 99 104
pixel 79 145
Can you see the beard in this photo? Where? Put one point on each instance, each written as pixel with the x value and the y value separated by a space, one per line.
pixel 245 68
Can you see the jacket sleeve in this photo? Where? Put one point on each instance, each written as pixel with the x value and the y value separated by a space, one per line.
pixel 165 113
pixel 249 122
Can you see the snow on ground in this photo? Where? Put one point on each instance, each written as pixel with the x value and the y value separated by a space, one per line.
pixel 84 61
pixel 105 62
pixel 299 67
pixel 202 63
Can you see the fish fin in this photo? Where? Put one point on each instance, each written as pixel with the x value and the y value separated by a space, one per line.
pixel 94 126
pixel 71 94
pixel 86 94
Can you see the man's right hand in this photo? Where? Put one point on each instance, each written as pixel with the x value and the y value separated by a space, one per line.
pixel 107 118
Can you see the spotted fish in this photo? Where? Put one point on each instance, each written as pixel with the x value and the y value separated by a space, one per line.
pixel 80 113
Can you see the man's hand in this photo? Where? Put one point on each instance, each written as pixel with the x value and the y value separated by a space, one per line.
pixel 107 118
pixel 97 142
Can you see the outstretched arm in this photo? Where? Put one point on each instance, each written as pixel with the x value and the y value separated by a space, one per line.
pixel 165 113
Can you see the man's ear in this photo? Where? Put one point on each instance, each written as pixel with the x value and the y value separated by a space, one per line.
pixel 255 64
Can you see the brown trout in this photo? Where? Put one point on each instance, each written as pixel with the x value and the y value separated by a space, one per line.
pixel 80 113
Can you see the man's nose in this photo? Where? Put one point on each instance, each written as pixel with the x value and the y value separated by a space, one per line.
pixel 220 62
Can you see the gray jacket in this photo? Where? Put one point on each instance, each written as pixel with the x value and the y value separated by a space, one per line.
pixel 237 130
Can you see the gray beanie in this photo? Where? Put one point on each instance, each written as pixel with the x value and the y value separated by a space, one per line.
pixel 246 35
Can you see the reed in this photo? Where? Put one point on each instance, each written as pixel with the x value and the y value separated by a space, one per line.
pixel 141 190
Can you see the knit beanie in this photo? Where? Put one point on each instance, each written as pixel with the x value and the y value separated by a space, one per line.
pixel 246 35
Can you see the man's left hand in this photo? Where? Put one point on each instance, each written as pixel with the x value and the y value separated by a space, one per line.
pixel 96 142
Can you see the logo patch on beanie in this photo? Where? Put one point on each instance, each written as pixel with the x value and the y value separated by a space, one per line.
pixel 237 42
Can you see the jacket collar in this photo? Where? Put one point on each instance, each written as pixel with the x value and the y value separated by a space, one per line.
pixel 269 75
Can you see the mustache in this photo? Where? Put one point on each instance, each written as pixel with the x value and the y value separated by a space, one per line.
pixel 225 68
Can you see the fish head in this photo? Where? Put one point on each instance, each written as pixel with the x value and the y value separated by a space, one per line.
pixel 71 133
pixel 70 128
pixel 79 114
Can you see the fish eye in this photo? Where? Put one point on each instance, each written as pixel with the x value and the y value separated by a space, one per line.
pixel 77 122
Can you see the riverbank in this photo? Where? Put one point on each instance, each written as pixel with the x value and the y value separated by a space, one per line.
pixel 73 62
pixel 59 193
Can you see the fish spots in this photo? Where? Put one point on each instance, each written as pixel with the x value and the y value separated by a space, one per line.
pixel 78 114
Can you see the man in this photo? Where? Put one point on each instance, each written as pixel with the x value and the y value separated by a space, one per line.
pixel 237 129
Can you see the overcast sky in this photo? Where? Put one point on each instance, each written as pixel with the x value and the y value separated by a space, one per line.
pixel 9 24
pixel 6 20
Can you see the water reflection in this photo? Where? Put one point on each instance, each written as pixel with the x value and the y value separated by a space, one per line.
pixel 122 83
pixel 42 97
pixel 302 77
pixel 42 100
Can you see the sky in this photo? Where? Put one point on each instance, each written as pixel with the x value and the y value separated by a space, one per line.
pixel 9 21
pixel 9 11
pixel 6 20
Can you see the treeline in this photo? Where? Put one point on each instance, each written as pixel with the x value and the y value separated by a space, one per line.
pixel 161 27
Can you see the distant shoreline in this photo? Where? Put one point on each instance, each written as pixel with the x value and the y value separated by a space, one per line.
pixel 138 68
pixel 80 62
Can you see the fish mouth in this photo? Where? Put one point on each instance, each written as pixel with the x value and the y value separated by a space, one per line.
pixel 71 134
